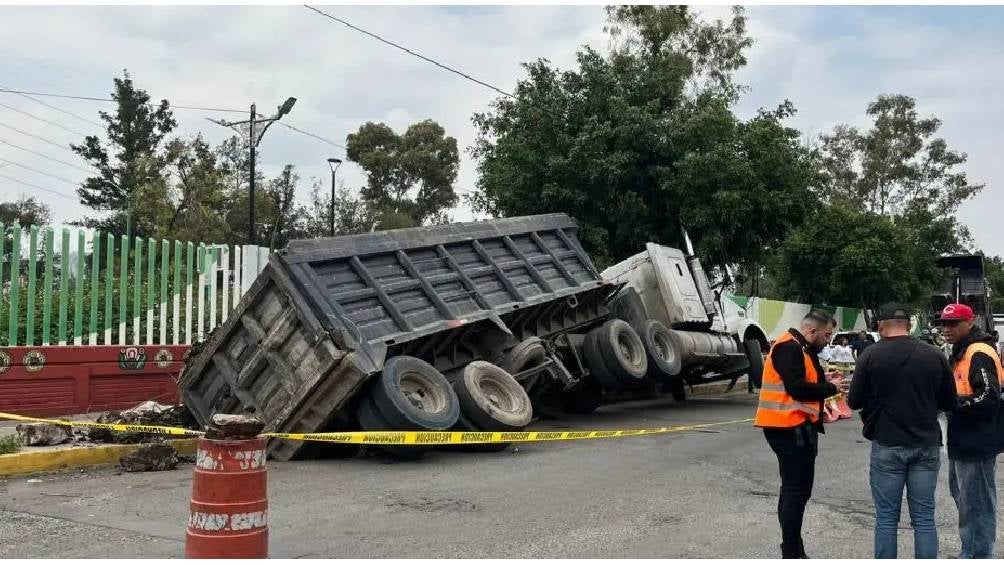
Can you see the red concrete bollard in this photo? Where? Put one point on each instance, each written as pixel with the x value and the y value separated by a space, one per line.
pixel 229 508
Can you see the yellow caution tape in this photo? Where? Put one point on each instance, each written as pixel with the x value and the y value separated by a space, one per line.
pixel 165 430
pixel 461 438
pixel 397 438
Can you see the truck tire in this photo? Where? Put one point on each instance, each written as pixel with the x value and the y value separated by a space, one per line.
pixel 595 363
pixel 527 353
pixel 465 425
pixel 755 357
pixel 623 351
pixel 491 399
pixel 411 395
pixel 585 400
pixel 664 360
pixel 371 420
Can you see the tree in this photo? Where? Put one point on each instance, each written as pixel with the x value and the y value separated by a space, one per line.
pixel 352 215
pixel 994 267
pixel 26 211
pixel 131 158
pixel 897 165
pixel 641 143
pixel 198 193
pixel 846 256
pixel 409 177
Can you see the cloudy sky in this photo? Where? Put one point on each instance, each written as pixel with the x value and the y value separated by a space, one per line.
pixel 829 61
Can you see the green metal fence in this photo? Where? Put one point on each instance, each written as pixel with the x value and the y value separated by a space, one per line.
pixel 75 286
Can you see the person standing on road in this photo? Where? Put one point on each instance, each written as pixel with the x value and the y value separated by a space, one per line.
pixel 791 401
pixel 973 444
pixel 862 343
pixel 899 385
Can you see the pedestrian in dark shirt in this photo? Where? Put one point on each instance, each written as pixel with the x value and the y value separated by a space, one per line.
pixel 861 342
pixel 899 385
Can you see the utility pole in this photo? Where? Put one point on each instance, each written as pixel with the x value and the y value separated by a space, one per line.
pixel 334 169
pixel 253 137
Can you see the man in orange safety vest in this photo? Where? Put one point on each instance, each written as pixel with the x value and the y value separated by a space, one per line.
pixel 791 401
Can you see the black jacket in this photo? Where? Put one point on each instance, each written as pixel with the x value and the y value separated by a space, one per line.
pixel 788 362
pixel 899 385
pixel 972 427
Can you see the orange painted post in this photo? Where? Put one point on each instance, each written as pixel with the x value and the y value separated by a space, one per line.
pixel 229 506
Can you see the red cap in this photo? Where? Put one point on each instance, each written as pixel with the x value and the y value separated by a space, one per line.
pixel 957 312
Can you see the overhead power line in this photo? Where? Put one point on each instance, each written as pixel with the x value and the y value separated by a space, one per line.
pixel 42 188
pixel 53 159
pixel 315 136
pixel 410 52
pixel 51 123
pixel 49 141
pixel 27 168
pixel 56 108
pixel 96 99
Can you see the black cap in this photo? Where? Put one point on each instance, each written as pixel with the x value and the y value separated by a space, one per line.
pixel 893 311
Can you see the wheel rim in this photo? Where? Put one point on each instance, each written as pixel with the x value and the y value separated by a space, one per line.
pixel 498 394
pixel 628 349
pixel 662 346
pixel 422 394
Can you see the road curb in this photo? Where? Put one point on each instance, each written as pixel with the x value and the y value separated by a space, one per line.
pixel 28 462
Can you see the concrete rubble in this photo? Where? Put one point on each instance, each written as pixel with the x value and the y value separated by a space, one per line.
pixel 150 457
pixel 43 434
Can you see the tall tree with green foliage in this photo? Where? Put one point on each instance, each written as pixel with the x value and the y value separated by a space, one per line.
pixel 131 158
pixel 892 193
pixel 846 256
pixel 640 144
pixel 409 177
pixel 995 278
pixel 897 166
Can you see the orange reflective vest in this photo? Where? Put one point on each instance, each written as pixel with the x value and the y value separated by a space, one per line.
pixel 961 369
pixel 777 409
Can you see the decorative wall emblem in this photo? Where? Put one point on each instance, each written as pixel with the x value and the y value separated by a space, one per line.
pixel 132 358
pixel 33 361
pixel 5 361
pixel 163 358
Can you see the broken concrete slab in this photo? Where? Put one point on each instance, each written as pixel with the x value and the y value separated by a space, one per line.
pixel 235 426
pixel 151 457
pixel 44 434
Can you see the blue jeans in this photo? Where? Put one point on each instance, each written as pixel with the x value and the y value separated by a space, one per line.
pixel 916 468
pixel 975 492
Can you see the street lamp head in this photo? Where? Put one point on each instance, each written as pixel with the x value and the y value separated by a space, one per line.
pixel 286 106
pixel 334 160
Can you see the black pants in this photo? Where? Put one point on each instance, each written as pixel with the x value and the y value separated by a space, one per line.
pixel 796 457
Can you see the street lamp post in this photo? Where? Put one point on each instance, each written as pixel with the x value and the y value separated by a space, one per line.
pixel 333 164
pixel 254 135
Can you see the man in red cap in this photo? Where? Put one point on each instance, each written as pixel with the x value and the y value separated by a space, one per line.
pixel 972 430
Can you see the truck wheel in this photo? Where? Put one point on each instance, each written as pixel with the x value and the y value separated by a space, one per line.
pixel 491 399
pixel 413 395
pixel 584 401
pixel 465 425
pixel 662 349
pixel 595 363
pixel 622 351
pixel 755 357
pixel 370 420
pixel 527 353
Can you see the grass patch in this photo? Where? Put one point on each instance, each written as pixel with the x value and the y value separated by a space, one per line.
pixel 10 444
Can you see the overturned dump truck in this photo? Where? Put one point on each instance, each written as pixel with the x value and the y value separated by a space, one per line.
pixel 466 326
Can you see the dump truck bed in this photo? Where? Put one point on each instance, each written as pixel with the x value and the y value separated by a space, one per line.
pixel 323 315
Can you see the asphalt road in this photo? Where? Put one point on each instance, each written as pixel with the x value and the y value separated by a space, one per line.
pixel 709 493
